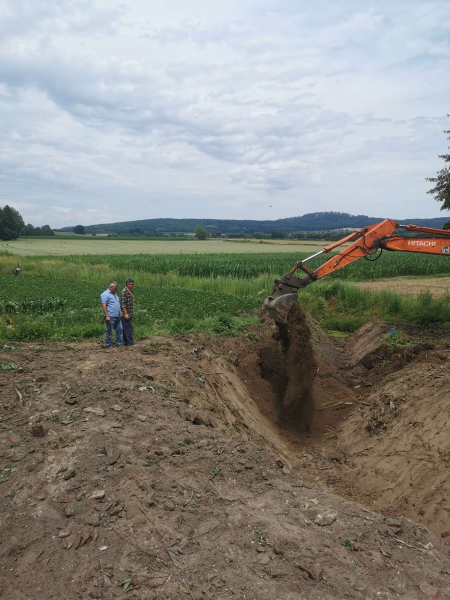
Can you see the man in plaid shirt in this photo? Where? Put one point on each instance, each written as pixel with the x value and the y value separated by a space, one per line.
pixel 127 308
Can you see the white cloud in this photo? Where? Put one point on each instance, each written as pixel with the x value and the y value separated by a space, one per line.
pixel 221 109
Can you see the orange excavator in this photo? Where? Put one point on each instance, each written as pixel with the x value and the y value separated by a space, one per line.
pixel 367 243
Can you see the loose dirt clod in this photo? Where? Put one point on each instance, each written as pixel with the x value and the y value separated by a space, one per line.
pixel 38 430
pixel 94 411
pixel 112 451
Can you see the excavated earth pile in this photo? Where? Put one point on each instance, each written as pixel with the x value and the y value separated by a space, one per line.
pixel 177 468
pixel 395 447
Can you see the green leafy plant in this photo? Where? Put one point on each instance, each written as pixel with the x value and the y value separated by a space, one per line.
pixel 7 367
pixel 126 583
pixel 5 472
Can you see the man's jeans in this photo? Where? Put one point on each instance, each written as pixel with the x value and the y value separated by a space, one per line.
pixel 127 327
pixel 113 323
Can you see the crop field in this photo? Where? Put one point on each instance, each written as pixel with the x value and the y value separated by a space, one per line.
pixel 62 247
pixel 35 309
pixel 57 297
pixel 173 269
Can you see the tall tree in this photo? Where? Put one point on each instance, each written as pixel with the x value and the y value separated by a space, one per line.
pixel 278 235
pixel 79 229
pixel 441 190
pixel 201 233
pixel 47 230
pixel 11 223
pixel 28 230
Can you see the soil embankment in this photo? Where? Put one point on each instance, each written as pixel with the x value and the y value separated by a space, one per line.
pixel 395 448
pixel 170 469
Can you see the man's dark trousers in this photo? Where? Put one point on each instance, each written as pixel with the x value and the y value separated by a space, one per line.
pixel 127 327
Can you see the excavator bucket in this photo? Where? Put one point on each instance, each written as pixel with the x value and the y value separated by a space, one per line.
pixel 279 306
pixel 285 292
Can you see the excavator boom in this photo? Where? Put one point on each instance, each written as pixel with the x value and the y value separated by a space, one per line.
pixel 362 243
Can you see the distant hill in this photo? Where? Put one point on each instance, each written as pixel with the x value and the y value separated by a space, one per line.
pixel 319 221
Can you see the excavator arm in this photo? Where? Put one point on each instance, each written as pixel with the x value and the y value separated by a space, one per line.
pixel 362 243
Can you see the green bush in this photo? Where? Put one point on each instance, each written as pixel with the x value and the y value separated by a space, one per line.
pixel 223 324
pixel 29 332
pixel 178 325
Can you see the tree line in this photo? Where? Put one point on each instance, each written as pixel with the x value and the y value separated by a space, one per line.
pixel 279 234
pixel 12 225
pixel 320 221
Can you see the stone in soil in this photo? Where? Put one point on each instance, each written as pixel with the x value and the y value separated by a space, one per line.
pixel 93 520
pixel 112 451
pixel 71 541
pixel 429 590
pixel 94 411
pixel 97 495
pixel 85 537
pixel 327 518
pixel 71 401
pixel 64 534
pixel 316 571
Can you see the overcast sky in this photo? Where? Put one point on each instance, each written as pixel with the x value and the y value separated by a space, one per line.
pixel 255 109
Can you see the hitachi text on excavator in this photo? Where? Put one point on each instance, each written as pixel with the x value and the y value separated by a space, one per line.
pixel 367 243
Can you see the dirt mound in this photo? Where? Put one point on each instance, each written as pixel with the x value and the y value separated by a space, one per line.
pixel 396 447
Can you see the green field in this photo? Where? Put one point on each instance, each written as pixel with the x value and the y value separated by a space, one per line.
pixel 57 297
pixel 36 309
pixel 234 273
pixel 98 245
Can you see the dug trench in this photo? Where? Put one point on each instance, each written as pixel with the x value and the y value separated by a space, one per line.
pixel 367 415
pixel 242 468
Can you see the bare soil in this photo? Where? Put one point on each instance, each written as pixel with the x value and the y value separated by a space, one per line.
pixel 394 446
pixel 177 468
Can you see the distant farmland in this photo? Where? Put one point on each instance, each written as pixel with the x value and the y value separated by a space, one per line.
pixel 58 247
